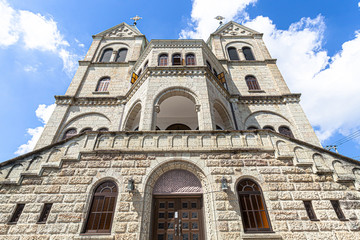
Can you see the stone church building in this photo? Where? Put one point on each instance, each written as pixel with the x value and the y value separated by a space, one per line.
pixel 179 139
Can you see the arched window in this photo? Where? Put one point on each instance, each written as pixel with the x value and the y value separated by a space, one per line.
pixel 269 128
pixel 163 59
pixel 233 55
pixel 86 130
pixel 252 206
pixel 248 53
pixel 190 59
pixel 106 55
pixel 176 59
pixel 102 208
pixel 121 56
pixel 103 85
pixel 252 128
pixel 252 83
pixel 286 131
pixel 69 133
pixel 104 129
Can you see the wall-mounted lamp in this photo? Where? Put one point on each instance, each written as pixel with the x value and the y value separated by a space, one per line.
pixel 130 186
pixel 224 185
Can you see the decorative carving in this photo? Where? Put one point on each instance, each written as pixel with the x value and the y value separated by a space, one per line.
pixel 197 108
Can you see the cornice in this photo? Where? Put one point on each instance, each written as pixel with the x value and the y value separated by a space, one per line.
pixel 272 99
pixel 89 101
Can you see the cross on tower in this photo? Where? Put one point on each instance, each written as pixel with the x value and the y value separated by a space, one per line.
pixel 220 18
pixel 135 19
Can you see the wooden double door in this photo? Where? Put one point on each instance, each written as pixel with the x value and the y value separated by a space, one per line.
pixel 178 218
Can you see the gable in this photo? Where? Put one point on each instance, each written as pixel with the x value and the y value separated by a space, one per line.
pixel 121 30
pixel 234 29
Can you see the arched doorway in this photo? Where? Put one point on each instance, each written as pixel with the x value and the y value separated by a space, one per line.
pixel 177 206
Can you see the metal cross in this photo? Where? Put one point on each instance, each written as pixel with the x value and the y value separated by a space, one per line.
pixel 136 18
pixel 220 18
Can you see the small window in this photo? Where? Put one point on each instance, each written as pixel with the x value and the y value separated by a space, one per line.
pixel 286 131
pixel 69 133
pixel 103 129
pixel 190 59
pixel 269 128
pixel 252 128
pixel 252 206
pixel 248 53
pixel 218 127
pixel 338 211
pixel 106 55
pixel 140 72
pixel 208 65
pixel 163 59
pixel 233 55
pixel 310 211
pixel 102 208
pixel 86 130
pixel 103 85
pixel 176 59
pixel 16 215
pixel 252 83
pixel 121 56
pixel 146 65
pixel 45 213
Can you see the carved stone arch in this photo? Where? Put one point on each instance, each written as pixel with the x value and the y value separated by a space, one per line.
pixel 114 45
pixel 181 165
pixel 134 110
pixel 319 161
pixel 54 156
pixel 339 168
pixel 242 43
pixel 34 163
pixel 72 150
pixel 251 119
pixel 282 148
pixel 69 124
pixel 251 140
pixel 300 154
pixel 175 91
pixel 224 115
pixel 15 171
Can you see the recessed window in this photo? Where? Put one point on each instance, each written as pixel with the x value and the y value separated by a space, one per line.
pixel 17 213
pixel 269 128
pixel 106 55
pixel 286 131
pixel 178 126
pixel 102 208
pixel 252 83
pixel 248 53
pixel 310 211
pixel 252 128
pixel 103 85
pixel 233 55
pixel 86 130
pixel 146 64
pixel 69 133
pixel 45 213
pixel 121 55
pixel 337 208
pixel 104 129
pixel 190 59
pixel 163 59
pixel 253 209
pixel 176 59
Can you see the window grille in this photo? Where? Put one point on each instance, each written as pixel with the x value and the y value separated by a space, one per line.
pixel 103 85
pixel 106 55
pixel 252 83
pixel 233 55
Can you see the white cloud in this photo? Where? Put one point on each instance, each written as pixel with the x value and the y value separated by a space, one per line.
pixel 79 43
pixel 358 4
pixel 35 32
pixel 43 113
pixel 203 14
pixel 29 68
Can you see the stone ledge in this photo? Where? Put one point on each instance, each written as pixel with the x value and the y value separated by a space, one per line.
pixel 259 236
pixel 95 237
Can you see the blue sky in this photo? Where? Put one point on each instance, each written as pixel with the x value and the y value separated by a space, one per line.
pixel 317 45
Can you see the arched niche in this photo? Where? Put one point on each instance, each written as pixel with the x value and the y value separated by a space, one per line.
pixel 266 118
pixel 176 106
pixel 132 121
pixel 222 117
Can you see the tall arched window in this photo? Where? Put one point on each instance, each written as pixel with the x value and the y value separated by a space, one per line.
pixel 102 208
pixel 69 133
pixel 248 53
pixel 190 59
pixel 233 55
pixel 106 55
pixel 103 84
pixel 252 206
pixel 286 131
pixel 121 56
pixel 176 59
pixel 252 83
pixel 163 59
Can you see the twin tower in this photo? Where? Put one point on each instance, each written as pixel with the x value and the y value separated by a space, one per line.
pixel 179 139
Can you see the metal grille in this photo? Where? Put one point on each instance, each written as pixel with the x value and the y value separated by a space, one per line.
pixel 177 181
pixel 252 83
pixel 103 85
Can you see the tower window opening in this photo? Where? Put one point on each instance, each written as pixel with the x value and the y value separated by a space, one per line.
pixel 16 215
pixel 121 56
pixel 269 128
pixel 248 53
pixel 69 133
pixel 337 209
pixel 190 59
pixel 252 83
pixel 286 131
pixel 163 60
pixel 106 55
pixel 176 59
pixel 103 85
pixel 233 55
pixel 310 210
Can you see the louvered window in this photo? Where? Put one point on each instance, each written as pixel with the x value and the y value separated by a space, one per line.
pixel 248 53
pixel 121 56
pixel 103 85
pixel 252 205
pixel 233 55
pixel 102 208
pixel 106 55
pixel 252 83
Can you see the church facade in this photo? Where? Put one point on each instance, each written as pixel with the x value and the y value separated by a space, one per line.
pixel 179 139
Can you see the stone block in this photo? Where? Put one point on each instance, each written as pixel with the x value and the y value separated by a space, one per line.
pixel 69 218
pixel 308 186
pixel 80 180
pixel 275 178
pixel 47 189
pixel 300 178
